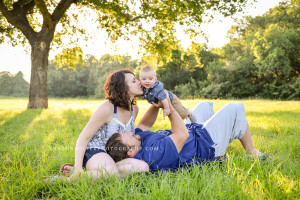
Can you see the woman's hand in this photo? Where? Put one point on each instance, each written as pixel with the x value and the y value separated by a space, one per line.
pixel 76 173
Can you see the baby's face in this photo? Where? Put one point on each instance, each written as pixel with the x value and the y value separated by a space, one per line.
pixel 147 79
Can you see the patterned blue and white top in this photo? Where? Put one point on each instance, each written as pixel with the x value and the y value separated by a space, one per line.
pixel 107 130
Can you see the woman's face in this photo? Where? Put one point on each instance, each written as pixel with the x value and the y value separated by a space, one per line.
pixel 134 86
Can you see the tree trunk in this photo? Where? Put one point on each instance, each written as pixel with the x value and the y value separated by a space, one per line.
pixel 38 94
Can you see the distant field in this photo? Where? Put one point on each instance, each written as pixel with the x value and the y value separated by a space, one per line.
pixel 35 143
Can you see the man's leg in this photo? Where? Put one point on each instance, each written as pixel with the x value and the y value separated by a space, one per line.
pixel 202 112
pixel 228 124
pixel 247 142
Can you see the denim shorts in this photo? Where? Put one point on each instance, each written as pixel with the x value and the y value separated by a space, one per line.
pixel 89 153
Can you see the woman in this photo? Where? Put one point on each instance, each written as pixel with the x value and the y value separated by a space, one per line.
pixel 117 114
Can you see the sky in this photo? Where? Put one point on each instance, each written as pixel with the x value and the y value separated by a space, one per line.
pixel 15 59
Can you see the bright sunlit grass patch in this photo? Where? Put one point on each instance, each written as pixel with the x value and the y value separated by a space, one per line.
pixel 35 143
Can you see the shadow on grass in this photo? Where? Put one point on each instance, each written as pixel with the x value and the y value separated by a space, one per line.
pixel 58 137
pixel 24 162
pixel 13 128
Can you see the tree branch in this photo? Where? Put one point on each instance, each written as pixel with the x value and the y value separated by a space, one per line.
pixel 139 17
pixel 6 13
pixel 17 18
pixel 46 15
pixel 60 10
pixel 21 2
pixel 29 6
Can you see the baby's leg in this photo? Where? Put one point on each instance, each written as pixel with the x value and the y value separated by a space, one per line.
pixel 182 111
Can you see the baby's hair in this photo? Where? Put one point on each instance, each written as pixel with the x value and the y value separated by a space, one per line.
pixel 147 68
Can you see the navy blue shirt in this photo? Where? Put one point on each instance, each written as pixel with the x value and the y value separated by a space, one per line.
pixel 156 93
pixel 159 151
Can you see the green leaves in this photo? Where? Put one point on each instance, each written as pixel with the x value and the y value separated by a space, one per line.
pixel 261 58
pixel 123 18
pixel 271 48
pixel 70 57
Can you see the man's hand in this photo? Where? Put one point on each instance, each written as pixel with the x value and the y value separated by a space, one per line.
pixel 164 103
pixel 167 111
pixel 158 105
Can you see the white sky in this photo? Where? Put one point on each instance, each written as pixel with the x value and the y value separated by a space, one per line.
pixel 15 59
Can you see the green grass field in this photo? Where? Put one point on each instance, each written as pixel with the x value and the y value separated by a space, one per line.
pixel 35 143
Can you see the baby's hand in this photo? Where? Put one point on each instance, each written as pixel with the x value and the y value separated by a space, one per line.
pixel 167 111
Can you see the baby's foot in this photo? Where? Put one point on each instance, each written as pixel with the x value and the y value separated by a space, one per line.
pixel 192 117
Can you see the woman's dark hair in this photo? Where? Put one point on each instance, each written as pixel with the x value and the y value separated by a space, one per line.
pixel 116 148
pixel 116 89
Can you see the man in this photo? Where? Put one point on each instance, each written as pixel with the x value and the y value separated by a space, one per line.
pixel 184 144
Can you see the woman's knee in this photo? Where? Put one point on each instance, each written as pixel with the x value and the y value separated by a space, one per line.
pixel 138 165
pixel 102 162
pixel 144 167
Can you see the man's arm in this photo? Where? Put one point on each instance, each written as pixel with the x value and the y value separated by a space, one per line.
pixel 180 132
pixel 166 107
pixel 148 119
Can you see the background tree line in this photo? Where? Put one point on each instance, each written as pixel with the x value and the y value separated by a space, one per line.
pixel 13 85
pixel 262 60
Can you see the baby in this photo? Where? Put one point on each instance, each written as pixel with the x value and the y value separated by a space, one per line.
pixel 154 91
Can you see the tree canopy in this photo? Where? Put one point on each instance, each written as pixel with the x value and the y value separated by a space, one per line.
pixel 261 61
pixel 153 21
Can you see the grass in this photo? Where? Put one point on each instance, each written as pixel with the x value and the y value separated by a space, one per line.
pixel 35 143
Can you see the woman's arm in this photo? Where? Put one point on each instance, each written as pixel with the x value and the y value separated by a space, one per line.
pixel 148 119
pixel 135 111
pixel 102 115
pixel 150 116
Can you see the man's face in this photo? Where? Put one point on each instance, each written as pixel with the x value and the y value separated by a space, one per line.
pixel 130 140
pixel 148 78
pixel 133 141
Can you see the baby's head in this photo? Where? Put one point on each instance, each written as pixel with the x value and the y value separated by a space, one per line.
pixel 147 76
